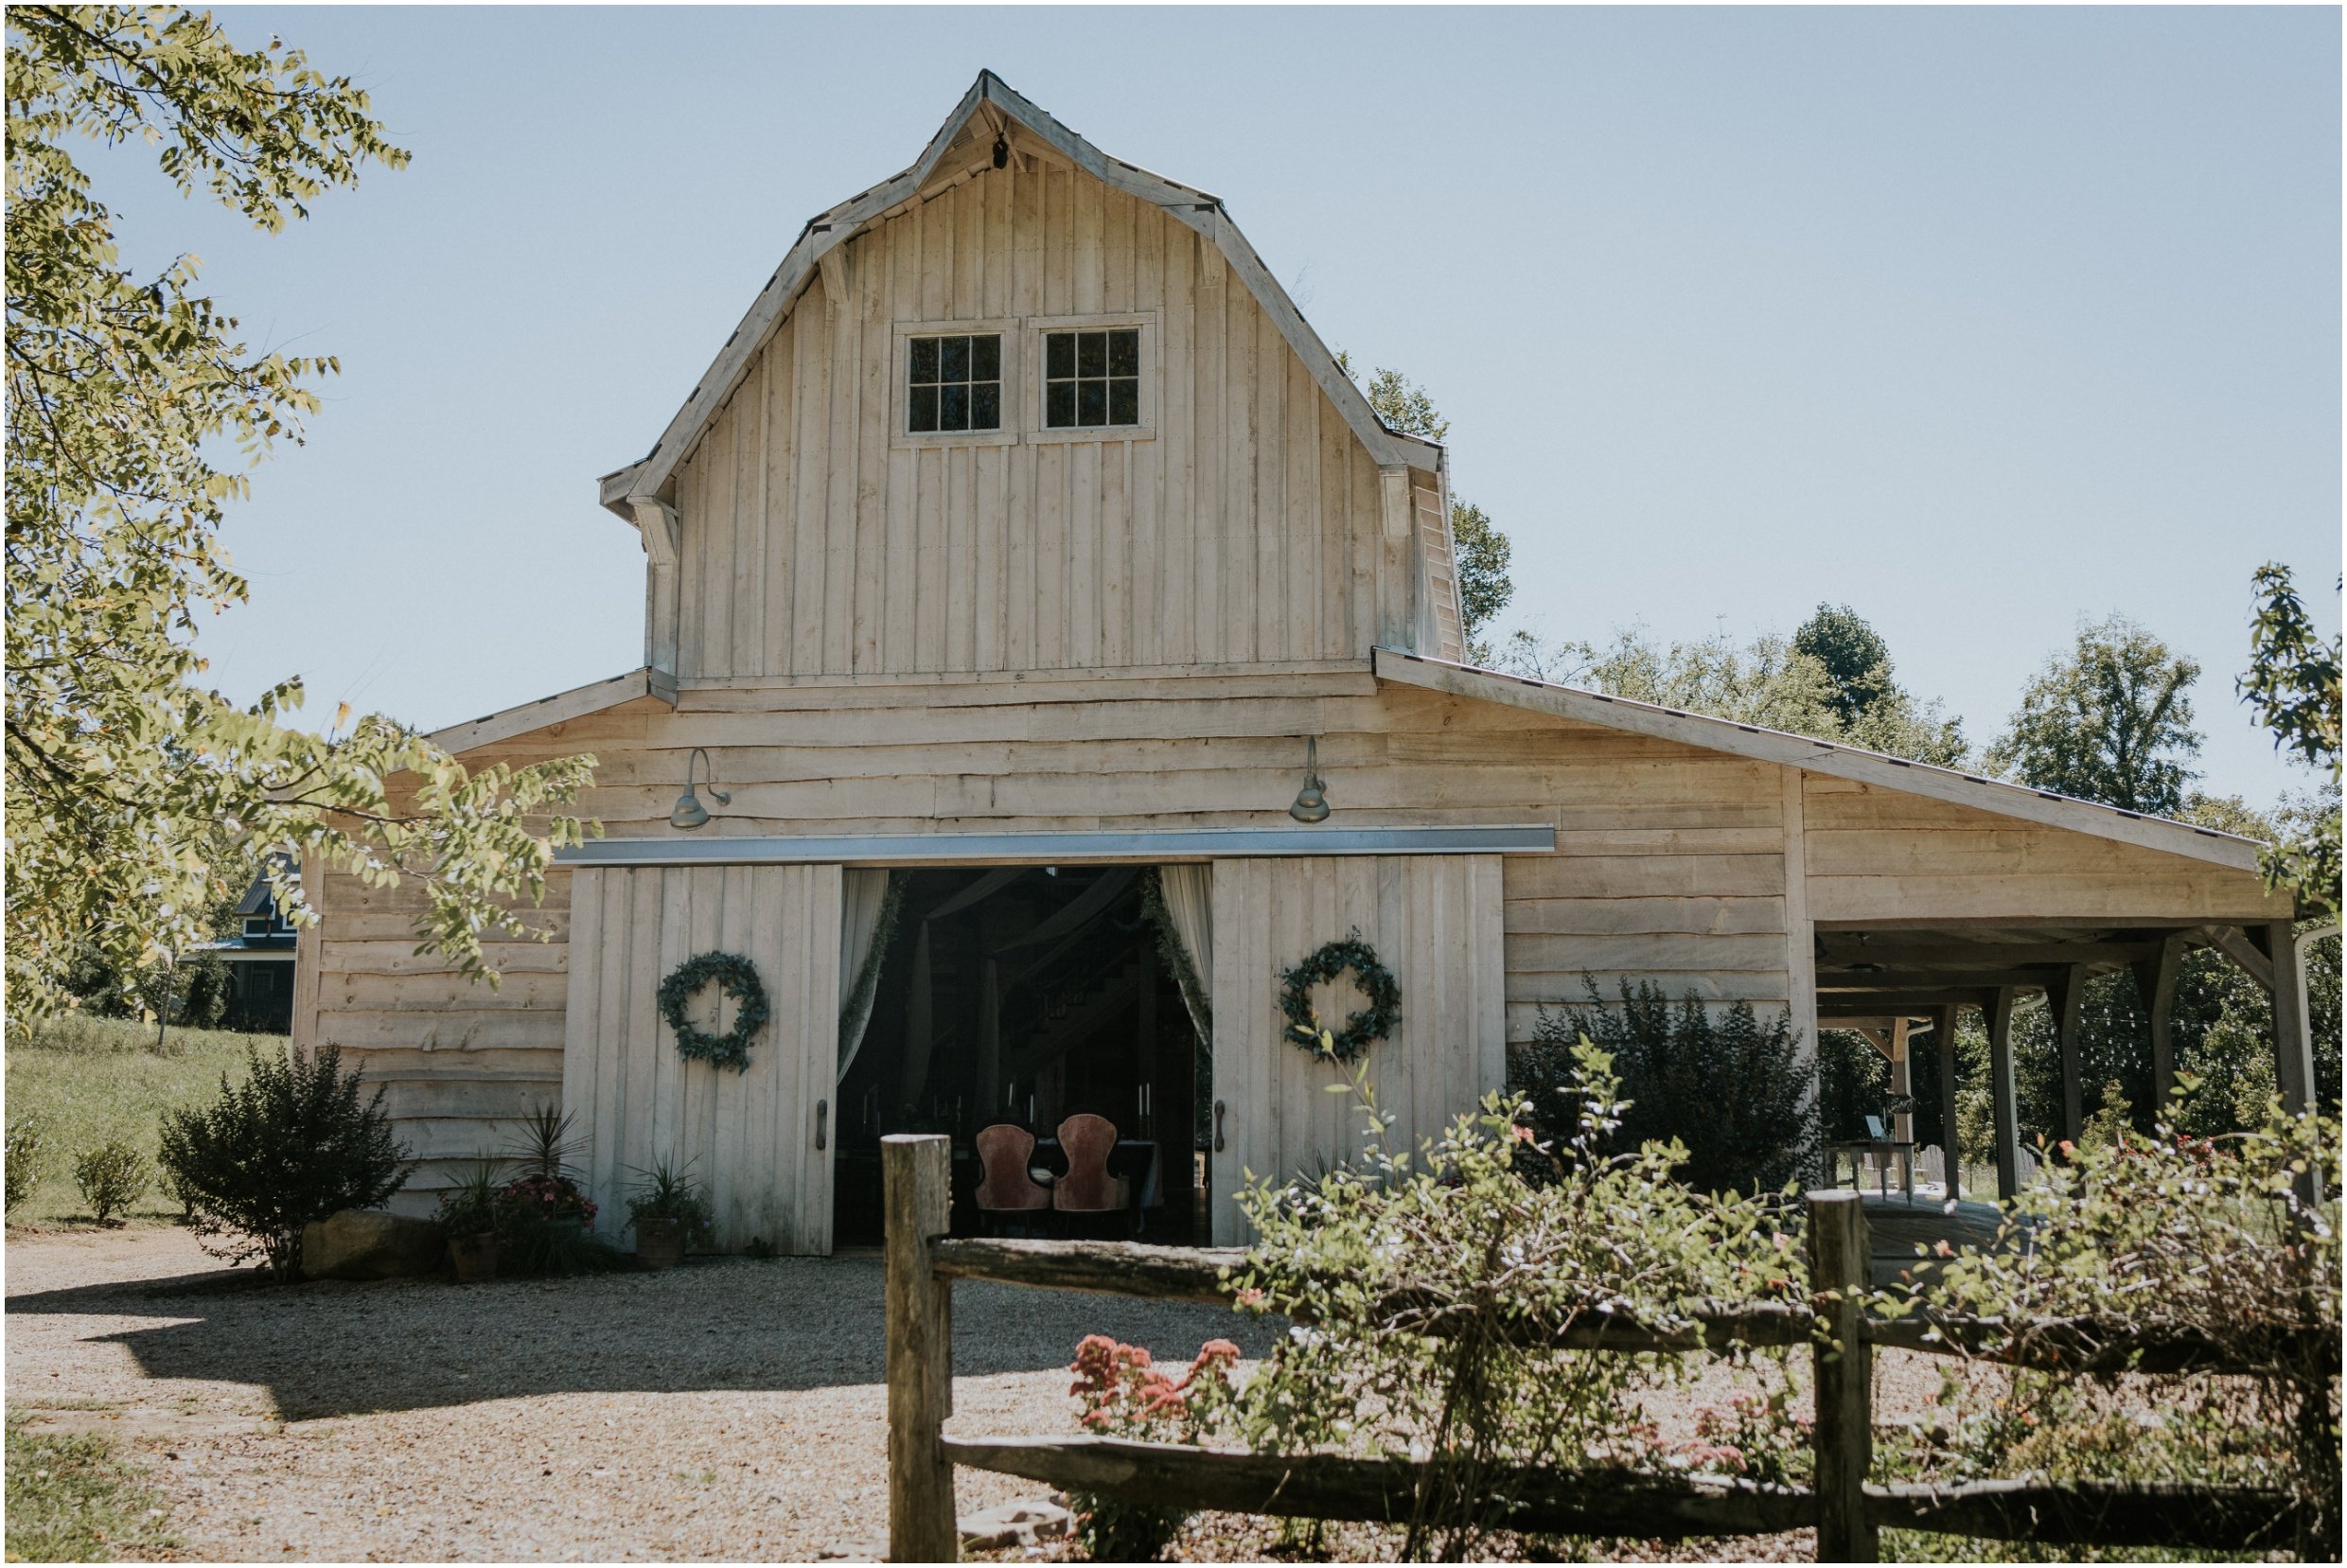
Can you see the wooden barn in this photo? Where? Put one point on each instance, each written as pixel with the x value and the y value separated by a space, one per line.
pixel 1018 581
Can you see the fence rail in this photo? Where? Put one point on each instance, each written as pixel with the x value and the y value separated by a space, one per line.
pixel 1847 1512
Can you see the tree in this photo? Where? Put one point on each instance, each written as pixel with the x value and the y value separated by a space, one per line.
pixel 1856 659
pixel 2292 685
pixel 135 412
pixel 2111 723
pixel 1770 682
pixel 1480 552
pixel 1484 588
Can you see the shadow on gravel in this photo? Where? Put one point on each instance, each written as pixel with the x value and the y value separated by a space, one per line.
pixel 333 1348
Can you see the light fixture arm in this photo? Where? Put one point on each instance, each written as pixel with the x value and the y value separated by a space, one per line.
pixel 1312 801
pixel 709 776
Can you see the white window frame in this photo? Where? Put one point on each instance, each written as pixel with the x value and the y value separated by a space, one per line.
pixel 900 369
pixel 1031 397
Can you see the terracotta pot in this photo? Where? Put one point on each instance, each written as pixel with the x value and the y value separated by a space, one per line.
pixel 660 1243
pixel 475 1256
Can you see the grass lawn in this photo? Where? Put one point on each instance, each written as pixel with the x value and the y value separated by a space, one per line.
pixel 93 1079
pixel 72 1498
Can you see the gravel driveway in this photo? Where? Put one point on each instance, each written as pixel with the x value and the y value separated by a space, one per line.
pixel 729 1409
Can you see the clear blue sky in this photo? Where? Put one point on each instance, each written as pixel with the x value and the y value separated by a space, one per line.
pixel 1981 321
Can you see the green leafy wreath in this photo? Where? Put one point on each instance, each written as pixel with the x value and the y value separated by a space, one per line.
pixel 738 978
pixel 1372 1023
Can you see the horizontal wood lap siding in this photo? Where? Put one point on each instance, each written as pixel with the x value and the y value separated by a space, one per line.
pixel 1671 869
pixel 1435 922
pixel 1242 527
pixel 749 1135
pixel 460 1063
pixel 1878 853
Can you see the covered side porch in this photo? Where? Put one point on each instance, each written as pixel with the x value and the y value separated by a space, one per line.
pixel 1903 984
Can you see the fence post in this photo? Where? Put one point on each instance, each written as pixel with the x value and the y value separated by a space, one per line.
pixel 1840 1271
pixel 916 1173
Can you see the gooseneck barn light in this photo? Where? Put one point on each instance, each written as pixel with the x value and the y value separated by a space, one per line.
pixel 1312 801
pixel 688 812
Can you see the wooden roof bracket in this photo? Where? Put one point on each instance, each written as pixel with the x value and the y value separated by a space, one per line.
pixel 657 522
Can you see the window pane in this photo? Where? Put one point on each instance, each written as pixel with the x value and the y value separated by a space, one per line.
pixel 1091 353
pixel 1091 402
pixel 1124 353
pixel 953 359
pixel 1060 405
pixel 1059 355
pixel 986 406
pixel 925 358
pixel 986 359
pixel 924 408
pixel 1124 401
pixel 953 410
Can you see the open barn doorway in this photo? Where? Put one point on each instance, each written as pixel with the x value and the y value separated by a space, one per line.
pixel 1027 996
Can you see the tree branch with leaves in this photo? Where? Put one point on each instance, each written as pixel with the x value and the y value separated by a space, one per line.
pixel 136 413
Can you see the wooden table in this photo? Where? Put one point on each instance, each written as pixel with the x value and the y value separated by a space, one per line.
pixel 1903 1150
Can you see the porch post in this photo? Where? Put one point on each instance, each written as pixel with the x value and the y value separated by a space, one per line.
pixel 2155 981
pixel 2294 1045
pixel 2001 1092
pixel 1951 1153
pixel 2064 996
pixel 1903 1081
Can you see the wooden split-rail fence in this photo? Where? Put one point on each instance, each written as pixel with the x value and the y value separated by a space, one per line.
pixel 1847 1511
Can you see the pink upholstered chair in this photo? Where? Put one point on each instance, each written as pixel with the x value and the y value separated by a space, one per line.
pixel 1087 1188
pixel 1004 1186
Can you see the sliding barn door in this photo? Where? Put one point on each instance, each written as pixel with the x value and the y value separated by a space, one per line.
pixel 750 1137
pixel 1436 922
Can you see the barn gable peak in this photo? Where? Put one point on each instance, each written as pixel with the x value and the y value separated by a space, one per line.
pixel 989 111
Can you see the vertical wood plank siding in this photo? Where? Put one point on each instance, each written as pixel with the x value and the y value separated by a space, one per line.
pixel 1435 922
pixel 749 1137
pixel 1242 528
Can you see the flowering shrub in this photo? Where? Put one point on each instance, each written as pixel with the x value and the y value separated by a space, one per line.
pixel 1124 1395
pixel 1422 1275
pixel 1757 1436
pixel 2233 1239
pixel 541 1198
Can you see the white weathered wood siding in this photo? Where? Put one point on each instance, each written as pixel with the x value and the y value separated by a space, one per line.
pixel 1434 921
pixel 1671 861
pixel 1880 855
pixel 460 1063
pixel 1245 528
pixel 748 1137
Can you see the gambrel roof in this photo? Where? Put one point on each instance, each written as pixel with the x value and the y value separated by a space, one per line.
pixel 962 146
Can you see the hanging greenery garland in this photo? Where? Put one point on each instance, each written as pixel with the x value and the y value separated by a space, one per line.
pixel 1372 1023
pixel 738 978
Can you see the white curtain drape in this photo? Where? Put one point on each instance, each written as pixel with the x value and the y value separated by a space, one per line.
pixel 1189 895
pixel 866 903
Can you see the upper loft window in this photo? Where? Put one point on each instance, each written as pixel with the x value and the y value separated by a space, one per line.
pixel 955 383
pixel 1092 379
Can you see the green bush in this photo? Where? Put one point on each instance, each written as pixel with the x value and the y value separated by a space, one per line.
pixel 111 1177
pixel 291 1144
pixel 2235 1239
pixel 1425 1282
pixel 1730 1088
pixel 27 1157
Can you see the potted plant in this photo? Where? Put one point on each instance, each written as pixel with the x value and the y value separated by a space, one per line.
pixel 668 1208
pixel 473 1217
